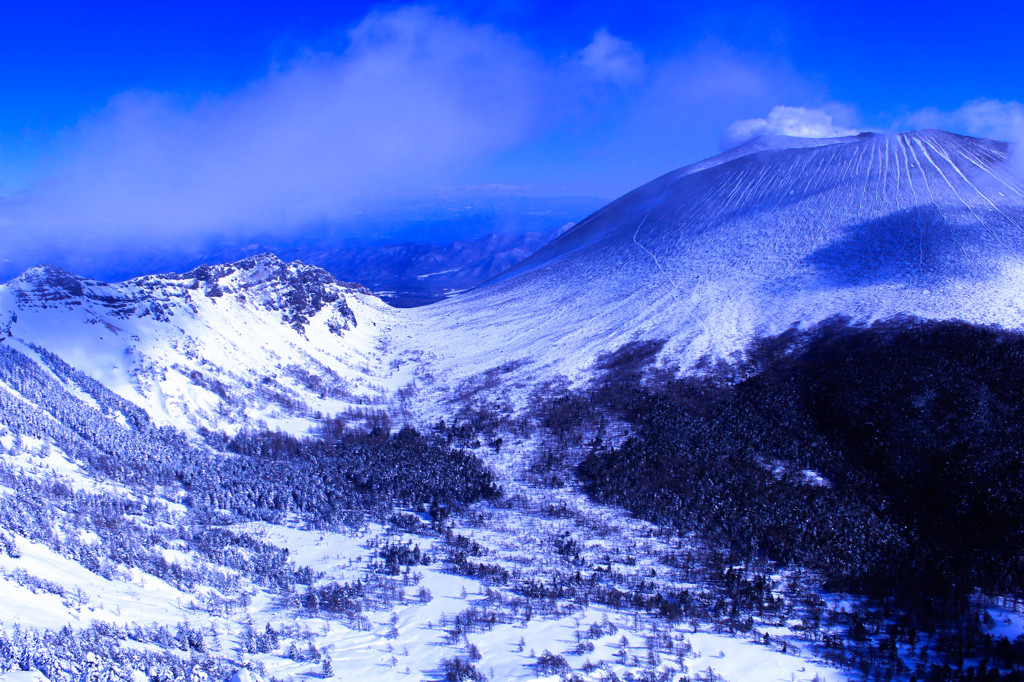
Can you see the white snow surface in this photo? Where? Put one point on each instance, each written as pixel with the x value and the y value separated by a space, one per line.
pixel 780 232
pixel 414 649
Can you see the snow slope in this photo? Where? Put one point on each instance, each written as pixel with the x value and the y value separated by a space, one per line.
pixel 217 347
pixel 778 232
pixel 403 629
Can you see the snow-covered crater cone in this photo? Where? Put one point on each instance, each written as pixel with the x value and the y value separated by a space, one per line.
pixel 779 232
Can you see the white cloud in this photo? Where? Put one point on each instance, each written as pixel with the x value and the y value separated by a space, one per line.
pixel 782 120
pixel 614 59
pixel 989 118
pixel 412 100
pixel 412 95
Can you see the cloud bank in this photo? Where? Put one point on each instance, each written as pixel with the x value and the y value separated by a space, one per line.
pixel 412 99
pixel 412 94
pixel 782 120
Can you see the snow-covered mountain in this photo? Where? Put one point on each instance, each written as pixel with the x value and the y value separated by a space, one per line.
pixel 216 347
pixel 133 551
pixel 778 232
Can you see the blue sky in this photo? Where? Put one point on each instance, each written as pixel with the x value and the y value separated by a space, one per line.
pixel 173 121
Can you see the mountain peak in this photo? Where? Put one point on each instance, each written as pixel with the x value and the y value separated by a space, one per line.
pixel 257 268
pixel 267 258
pixel 46 271
pixel 48 283
pixel 780 231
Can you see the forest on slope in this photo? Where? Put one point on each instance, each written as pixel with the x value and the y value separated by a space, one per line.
pixel 887 457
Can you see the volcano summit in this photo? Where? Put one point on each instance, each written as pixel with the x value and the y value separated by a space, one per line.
pixel 781 231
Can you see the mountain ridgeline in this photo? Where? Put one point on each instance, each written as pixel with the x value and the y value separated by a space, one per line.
pixel 785 231
pixel 708 258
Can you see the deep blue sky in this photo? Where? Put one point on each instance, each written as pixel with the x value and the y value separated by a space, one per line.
pixel 63 59
pixel 123 119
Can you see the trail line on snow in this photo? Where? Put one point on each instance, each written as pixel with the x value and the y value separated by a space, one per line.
pixel 675 288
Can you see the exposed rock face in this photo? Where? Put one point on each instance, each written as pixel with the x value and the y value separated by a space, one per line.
pixel 297 291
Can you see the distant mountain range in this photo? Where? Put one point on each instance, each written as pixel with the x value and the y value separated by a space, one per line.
pixel 411 251
pixel 413 274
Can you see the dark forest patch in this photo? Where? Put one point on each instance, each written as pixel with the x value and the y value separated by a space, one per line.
pixel 913 430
